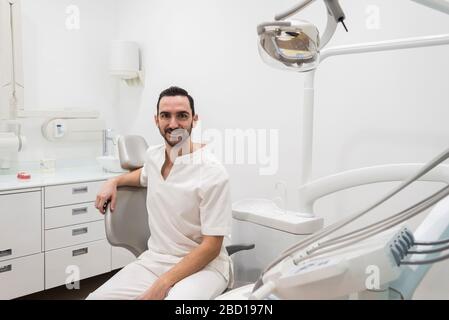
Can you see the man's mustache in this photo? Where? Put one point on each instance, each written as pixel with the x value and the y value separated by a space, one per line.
pixel 177 134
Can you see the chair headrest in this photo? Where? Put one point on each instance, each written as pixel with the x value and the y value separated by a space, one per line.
pixel 132 149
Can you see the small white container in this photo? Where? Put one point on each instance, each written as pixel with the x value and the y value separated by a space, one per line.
pixel 47 165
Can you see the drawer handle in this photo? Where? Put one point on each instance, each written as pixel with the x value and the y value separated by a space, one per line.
pixel 5 253
pixel 6 268
pixel 79 190
pixel 79 252
pixel 79 211
pixel 79 231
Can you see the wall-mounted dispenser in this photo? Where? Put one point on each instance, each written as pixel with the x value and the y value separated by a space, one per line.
pixel 71 129
pixel 125 62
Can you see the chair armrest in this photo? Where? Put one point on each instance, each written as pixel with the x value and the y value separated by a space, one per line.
pixel 238 247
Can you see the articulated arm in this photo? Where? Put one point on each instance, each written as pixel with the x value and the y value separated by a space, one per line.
pixel 440 5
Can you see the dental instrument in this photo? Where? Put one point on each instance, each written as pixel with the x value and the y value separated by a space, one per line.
pixel 296 45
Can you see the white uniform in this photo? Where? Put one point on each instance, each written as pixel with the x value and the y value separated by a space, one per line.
pixel 194 200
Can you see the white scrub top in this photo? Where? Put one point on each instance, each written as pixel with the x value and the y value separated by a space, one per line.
pixel 193 201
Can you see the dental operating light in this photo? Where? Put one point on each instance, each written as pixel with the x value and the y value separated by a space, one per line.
pixel 295 44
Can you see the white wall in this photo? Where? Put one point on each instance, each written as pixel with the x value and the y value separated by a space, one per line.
pixel 66 68
pixel 370 109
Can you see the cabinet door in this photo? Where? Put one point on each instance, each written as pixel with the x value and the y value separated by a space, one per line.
pixel 21 276
pixel 20 224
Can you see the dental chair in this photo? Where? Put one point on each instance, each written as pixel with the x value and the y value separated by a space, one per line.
pixel 127 226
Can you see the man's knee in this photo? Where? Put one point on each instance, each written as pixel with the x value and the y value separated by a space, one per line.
pixel 195 295
pixel 98 295
pixel 195 292
pixel 101 294
pixel 95 296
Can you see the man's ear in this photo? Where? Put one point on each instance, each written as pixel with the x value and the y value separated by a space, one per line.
pixel 156 120
pixel 195 120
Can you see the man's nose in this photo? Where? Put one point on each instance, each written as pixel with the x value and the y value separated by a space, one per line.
pixel 173 124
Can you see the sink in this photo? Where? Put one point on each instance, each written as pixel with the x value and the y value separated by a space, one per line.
pixel 110 164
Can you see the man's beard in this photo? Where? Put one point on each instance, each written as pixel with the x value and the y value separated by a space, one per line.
pixel 178 136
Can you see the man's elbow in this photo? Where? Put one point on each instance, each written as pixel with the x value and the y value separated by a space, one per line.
pixel 216 251
pixel 213 245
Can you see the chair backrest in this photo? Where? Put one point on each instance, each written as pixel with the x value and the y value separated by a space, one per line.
pixel 132 149
pixel 127 226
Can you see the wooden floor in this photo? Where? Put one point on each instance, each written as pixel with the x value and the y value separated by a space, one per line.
pixel 62 293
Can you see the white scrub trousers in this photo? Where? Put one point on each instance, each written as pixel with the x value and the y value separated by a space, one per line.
pixel 138 276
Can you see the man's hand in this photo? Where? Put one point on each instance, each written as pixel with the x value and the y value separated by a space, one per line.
pixel 158 291
pixel 108 192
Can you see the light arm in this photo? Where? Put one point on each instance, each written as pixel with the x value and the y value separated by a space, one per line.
pixel 292 11
pixel 334 11
pixel 440 5
pixel 333 6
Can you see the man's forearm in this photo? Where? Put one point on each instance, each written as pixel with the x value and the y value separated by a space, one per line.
pixel 195 261
pixel 131 179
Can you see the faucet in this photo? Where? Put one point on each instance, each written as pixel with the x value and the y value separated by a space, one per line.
pixel 107 136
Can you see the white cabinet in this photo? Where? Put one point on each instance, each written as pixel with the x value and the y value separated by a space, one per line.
pixel 69 215
pixel 53 235
pixel 21 260
pixel 75 236
pixel 66 194
pixel 65 265
pixel 20 224
pixel 21 276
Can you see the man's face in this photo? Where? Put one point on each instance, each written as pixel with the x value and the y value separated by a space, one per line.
pixel 175 113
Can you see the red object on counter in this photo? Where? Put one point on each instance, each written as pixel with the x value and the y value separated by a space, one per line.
pixel 23 175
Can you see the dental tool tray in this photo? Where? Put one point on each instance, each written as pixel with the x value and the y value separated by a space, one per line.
pixel 265 212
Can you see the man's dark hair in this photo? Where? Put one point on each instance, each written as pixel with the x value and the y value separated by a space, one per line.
pixel 176 91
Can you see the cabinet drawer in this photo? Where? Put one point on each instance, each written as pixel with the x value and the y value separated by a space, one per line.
pixel 73 235
pixel 70 215
pixel 78 262
pixel 21 276
pixel 71 193
pixel 20 224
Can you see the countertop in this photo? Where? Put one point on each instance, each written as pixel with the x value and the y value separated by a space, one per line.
pixel 61 176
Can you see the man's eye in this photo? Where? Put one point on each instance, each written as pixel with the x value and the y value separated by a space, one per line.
pixel 164 115
pixel 183 116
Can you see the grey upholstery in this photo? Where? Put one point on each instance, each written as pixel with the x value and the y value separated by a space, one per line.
pixel 132 149
pixel 128 226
